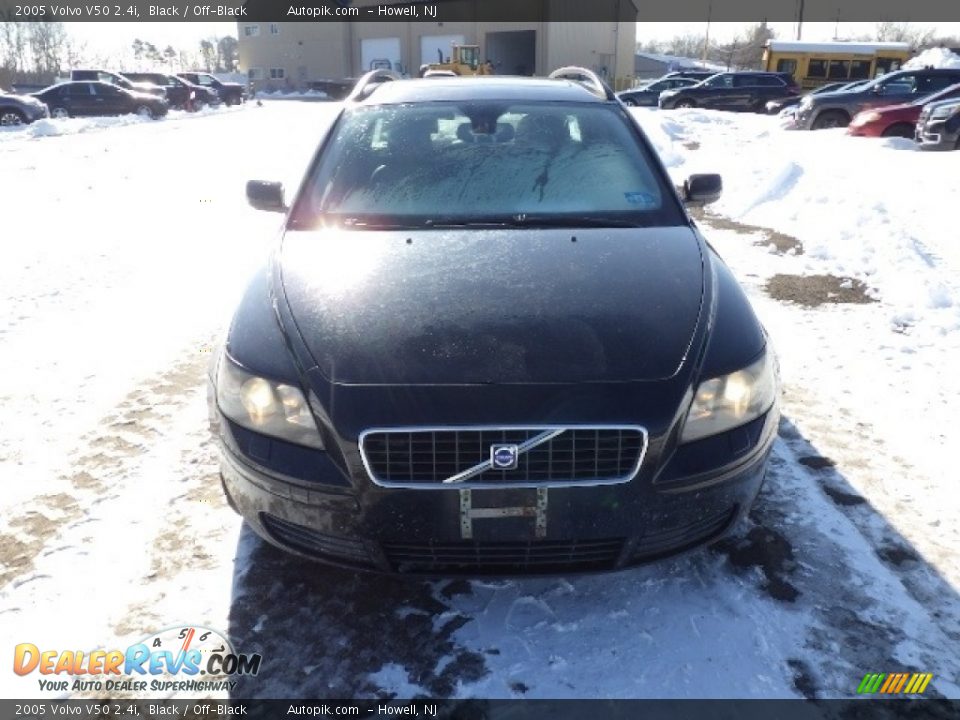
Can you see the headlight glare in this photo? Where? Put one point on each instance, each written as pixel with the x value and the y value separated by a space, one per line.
pixel 726 402
pixel 265 406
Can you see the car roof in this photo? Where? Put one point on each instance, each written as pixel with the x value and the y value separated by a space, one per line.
pixel 438 89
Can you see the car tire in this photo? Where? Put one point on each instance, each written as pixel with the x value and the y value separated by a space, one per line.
pixel 11 118
pixel 60 113
pixel 903 130
pixel 831 119
pixel 144 111
pixel 685 103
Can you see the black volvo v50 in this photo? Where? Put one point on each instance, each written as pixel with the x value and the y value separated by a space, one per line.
pixel 491 340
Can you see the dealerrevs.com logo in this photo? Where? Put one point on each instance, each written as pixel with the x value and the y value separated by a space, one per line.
pixel 176 659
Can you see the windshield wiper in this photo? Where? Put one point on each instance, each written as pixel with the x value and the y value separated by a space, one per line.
pixel 534 221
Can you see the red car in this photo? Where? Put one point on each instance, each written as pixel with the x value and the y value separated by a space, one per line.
pixel 896 120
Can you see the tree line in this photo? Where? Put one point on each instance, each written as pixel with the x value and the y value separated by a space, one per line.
pixel 39 52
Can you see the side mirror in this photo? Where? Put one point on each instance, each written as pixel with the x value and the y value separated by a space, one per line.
pixel 264 195
pixel 702 189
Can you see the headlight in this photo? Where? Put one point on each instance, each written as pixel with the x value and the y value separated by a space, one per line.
pixel 265 406
pixel 726 402
pixel 806 102
pixel 939 113
pixel 862 118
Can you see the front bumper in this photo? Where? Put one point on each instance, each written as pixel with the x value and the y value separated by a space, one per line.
pixel 352 523
pixel 934 136
pixel 803 118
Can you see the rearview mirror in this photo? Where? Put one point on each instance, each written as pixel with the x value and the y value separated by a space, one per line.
pixel 702 189
pixel 265 195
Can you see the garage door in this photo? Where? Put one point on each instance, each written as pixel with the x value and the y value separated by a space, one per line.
pixel 377 52
pixel 430 44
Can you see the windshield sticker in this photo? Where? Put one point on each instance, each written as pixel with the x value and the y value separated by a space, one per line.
pixel 643 199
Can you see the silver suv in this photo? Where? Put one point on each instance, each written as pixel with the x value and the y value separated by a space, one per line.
pixel 836 109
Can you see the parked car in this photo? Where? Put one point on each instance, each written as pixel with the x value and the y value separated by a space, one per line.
pixel 454 362
pixel 896 120
pixel 648 95
pixel 229 93
pixel 837 109
pixel 744 91
pixel 774 107
pixel 20 109
pixel 938 127
pixel 73 99
pixel 118 80
pixel 180 93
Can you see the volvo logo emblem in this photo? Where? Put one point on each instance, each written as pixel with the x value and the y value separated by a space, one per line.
pixel 504 457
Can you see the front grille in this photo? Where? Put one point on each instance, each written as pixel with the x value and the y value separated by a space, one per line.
pixel 659 543
pixel 313 542
pixel 427 457
pixel 503 558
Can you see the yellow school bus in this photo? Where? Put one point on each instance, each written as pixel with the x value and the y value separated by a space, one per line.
pixel 817 63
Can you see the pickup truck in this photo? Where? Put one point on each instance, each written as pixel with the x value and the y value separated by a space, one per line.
pixel 229 93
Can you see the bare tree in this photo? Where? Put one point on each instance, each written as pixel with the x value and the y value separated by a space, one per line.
pixel 903 32
pixel 208 55
pixel 688 46
pixel 228 53
pixel 47 41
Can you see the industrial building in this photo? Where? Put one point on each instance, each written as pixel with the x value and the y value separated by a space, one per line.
pixel 297 55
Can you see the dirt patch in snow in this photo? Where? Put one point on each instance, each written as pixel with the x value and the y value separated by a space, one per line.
pixel 817 290
pixel 843 499
pixel 784 244
pixel 771 552
pixel 816 462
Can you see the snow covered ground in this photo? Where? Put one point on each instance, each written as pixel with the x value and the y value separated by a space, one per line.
pixel 124 246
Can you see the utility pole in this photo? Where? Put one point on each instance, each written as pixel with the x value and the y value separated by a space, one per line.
pixel 799 19
pixel 706 39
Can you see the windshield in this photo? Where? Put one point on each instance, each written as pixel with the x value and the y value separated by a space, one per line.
pixel 434 164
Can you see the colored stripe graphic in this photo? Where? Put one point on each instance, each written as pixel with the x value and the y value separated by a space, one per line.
pixel 890 681
pixel 870 683
pixel 894 683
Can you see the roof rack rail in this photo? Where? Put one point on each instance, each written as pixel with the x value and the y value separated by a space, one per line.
pixel 370 82
pixel 588 78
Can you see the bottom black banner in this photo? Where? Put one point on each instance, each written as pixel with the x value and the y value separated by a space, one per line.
pixel 129 709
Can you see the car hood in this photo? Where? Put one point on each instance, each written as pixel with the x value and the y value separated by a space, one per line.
pixel 897 109
pixel 444 307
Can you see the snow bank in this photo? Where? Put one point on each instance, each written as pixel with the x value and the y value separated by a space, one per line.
pixel 835 194
pixel 74 126
pixel 934 57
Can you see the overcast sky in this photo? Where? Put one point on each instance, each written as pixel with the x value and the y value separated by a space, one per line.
pixel 112 37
